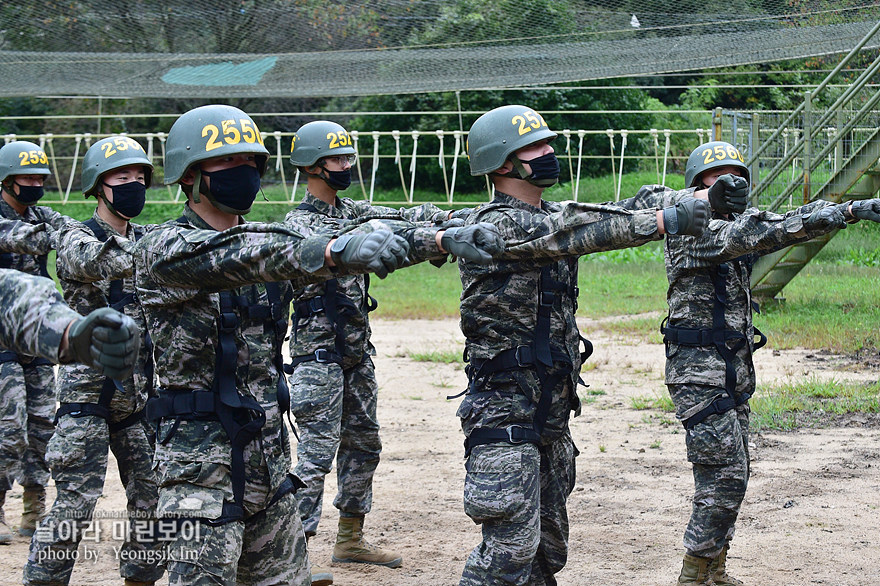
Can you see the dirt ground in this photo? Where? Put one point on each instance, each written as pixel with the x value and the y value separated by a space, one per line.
pixel 811 515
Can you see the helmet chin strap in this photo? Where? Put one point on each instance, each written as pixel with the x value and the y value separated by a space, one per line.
pixel 520 169
pixel 110 206
pixel 524 175
pixel 197 185
pixel 322 175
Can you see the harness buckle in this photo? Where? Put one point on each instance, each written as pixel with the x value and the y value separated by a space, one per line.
pixel 524 357
pixel 516 434
pixel 322 355
pixel 546 298
pixel 316 304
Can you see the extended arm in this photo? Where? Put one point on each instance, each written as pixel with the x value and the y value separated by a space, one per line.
pixel 25 238
pixel 84 258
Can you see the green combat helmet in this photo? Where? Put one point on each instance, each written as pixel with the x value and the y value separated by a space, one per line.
pixel 712 155
pixel 22 158
pixel 317 140
pixel 109 154
pixel 207 132
pixel 497 134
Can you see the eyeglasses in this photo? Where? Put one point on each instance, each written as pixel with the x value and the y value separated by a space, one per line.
pixel 342 159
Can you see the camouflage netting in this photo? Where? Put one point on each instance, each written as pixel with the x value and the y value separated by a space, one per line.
pixel 314 48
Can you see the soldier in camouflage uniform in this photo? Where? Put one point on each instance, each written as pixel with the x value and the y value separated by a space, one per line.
pixel 334 390
pixel 523 344
pixel 215 291
pixel 710 338
pixel 36 321
pixel 27 384
pixel 97 413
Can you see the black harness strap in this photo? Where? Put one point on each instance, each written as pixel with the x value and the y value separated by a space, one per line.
pixel 337 307
pixel 241 417
pixel 116 299
pixel 539 355
pixel 10 356
pixel 727 343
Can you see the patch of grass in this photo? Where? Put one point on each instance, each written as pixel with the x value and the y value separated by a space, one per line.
pixel 613 288
pixel 826 306
pixel 643 329
pixel 657 401
pixel 441 356
pixel 655 445
pixel 812 402
pixel 419 292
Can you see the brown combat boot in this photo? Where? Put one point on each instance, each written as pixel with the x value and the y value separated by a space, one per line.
pixel 5 531
pixel 718 571
pixel 352 547
pixel 695 571
pixel 33 503
pixel 321 576
pixel 130 582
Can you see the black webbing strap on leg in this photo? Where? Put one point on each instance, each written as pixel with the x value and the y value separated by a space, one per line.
pixel 100 409
pixel 8 356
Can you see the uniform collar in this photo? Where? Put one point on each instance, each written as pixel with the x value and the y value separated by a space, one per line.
pixel 197 222
pixel 322 206
pixel 504 198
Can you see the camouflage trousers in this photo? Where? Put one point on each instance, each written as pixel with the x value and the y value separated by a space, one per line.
pixel 335 412
pixel 718 449
pixel 518 494
pixel 27 408
pixel 77 455
pixel 267 547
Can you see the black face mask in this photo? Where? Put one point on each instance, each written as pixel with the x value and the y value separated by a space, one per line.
pixel 338 180
pixel 128 199
pixel 233 190
pixel 27 194
pixel 545 170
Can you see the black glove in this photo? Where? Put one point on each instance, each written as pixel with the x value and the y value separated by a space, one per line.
pixel 477 243
pixel 451 223
pixel 107 341
pixel 379 252
pixel 866 209
pixel 825 218
pixel 729 193
pixel 688 217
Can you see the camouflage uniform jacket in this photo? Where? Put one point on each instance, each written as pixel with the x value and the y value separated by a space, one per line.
pixel 34 317
pixel 86 266
pixel 499 304
pixel 22 257
pixel 180 268
pixel 314 332
pixel 690 265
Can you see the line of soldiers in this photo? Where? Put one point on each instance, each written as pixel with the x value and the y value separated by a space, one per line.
pixel 197 426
